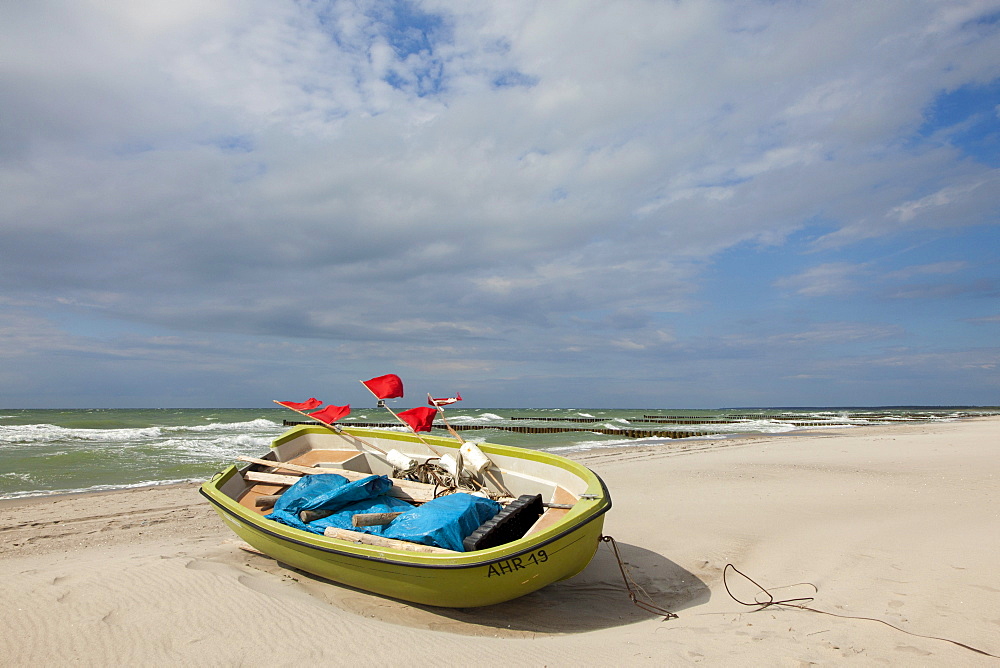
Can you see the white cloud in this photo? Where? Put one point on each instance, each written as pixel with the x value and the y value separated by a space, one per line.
pixel 834 279
pixel 986 320
pixel 288 169
pixel 933 269
pixel 838 333
pixel 945 197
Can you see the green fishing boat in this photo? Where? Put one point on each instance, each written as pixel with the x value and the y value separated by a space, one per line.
pixel 548 529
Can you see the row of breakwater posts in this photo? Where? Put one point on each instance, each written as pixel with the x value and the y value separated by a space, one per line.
pixel 622 432
pixel 784 418
pixel 772 418
pixel 519 429
pixel 660 419
pixel 646 418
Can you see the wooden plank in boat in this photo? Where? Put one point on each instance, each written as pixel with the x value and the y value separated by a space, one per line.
pixel 249 498
pixel 550 517
pixel 379 541
pixel 350 475
pixel 272 478
pixel 373 519
pixel 288 466
pixel 553 516
pixel 401 489
pixel 311 457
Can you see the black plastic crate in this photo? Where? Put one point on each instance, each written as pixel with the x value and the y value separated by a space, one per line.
pixel 508 525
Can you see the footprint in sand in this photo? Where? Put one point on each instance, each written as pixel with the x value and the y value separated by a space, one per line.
pixel 269 587
pixel 211 567
pixel 910 649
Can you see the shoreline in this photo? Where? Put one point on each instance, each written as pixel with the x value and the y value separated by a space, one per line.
pixel 730 438
pixel 897 523
pixel 39 498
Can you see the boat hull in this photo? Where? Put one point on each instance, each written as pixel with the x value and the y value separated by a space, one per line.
pixel 462 579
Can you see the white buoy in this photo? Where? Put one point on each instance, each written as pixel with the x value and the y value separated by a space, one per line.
pixel 449 464
pixel 475 460
pixel 400 461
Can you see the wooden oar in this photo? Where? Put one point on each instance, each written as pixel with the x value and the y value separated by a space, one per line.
pixel 417 489
pixel 401 489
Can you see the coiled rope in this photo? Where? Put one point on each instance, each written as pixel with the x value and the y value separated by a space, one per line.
pixel 800 603
pixel 635 590
pixel 432 473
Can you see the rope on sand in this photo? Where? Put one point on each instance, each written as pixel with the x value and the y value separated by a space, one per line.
pixel 634 588
pixel 800 603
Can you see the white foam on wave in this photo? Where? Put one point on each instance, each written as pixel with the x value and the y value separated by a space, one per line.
pixel 582 446
pixel 44 434
pixel 16 475
pixel 50 433
pixel 487 417
pixel 223 447
pixel 260 424
pixel 757 427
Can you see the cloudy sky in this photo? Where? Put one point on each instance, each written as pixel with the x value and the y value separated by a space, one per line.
pixel 535 203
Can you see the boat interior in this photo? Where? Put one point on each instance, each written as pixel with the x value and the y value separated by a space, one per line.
pixel 258 485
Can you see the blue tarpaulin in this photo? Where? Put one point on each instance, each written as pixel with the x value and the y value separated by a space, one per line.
pixel 342 517
pixel 330 491
pixel 442 522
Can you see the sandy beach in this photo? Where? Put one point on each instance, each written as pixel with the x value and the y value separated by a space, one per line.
pixel 895 525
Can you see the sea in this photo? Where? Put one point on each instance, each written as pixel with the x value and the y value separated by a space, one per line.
pixel 52 451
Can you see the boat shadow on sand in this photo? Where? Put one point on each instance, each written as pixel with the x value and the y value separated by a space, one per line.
pixel 595 599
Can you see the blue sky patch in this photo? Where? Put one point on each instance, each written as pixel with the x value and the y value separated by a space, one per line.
pixel 970 118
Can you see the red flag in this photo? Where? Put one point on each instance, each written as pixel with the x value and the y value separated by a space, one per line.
pixel 419 418
pixel 385 387
pixel 443 402
pixel 331 414
pixel 307 405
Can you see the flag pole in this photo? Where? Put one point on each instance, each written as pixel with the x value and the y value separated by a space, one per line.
pixel 440 410
pixel 331 427
pixel 408 425
pixel 489 472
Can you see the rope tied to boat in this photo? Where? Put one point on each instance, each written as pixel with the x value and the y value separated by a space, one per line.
pixel 634 588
